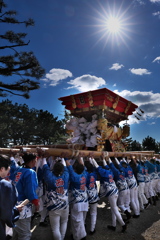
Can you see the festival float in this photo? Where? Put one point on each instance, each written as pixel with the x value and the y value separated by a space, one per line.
pixel 96 117
pixel 94 125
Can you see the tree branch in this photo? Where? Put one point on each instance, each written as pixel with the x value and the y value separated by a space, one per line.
pixel 4 71
pixel 17 45
pixel 21 95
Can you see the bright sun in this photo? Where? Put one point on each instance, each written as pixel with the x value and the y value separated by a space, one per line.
pixel 113 25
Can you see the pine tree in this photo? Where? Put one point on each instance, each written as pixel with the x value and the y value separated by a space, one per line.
pixel 23 65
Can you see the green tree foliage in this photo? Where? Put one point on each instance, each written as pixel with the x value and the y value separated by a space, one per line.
pixel 48 128
pixel 135 146
pixel 24 66
pixel 20 125
pixel 150 144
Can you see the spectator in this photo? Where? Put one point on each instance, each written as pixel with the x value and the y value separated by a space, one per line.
pixel 8 198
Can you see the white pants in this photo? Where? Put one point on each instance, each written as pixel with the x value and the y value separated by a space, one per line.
pixel 134 200
pixel 58 220
pixel 128 201
pixel 151 191
pixel 146 190
pixel 124 200
pixel 154 183
pixel 93 215
pixel 22 229
pixel 142 198
pixel 78 223
pixel 9 231
pixel 114 210
pixel 42 210
pixel 158 186
pixel 41 203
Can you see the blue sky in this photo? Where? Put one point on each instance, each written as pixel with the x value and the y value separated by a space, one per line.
pixel 75 40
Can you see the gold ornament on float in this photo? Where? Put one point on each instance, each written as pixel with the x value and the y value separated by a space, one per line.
pixel 126 131
pixel 73 102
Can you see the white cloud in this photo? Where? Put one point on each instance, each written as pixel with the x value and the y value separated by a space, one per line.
pixel 156 13
pixel 155 1
pixel 114 85
pixel 44 85
pixel 116 66
pixel 136 2
pixel 157 59
pixel 149 102
pixel 139 71
pixel 86 82
pixel 152 123
pixel 141 2
pixel 55 75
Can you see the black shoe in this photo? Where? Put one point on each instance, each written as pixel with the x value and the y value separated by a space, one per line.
pixel 146 205
pixel 124 227
pixel 150 200
pixel 35 216
pixel 127 214
pixel 92 232
pixel 83 238
pixel 72 237
pixel 156 197
pixel 154 200
pixel 126 221
pixel 136 216
pixel 111 228
pixel 8 237
pixel 43 224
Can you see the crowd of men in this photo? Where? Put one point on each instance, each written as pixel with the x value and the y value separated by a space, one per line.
pixel 59 186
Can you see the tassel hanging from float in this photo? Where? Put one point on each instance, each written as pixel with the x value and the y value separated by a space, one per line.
pixel 141 110
pixel 138 114
pixel 137 117
pixel 126 130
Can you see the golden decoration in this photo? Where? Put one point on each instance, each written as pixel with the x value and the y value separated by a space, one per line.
pixel 116 102
pixel 110 131
pixel 90 99
pixel 126 131
pixel 100 144
pixel 119 133
pixel 128 106
pixel 102 124
pixel 109 97
pixel 117 146
pixel 69 132
pixel 73 102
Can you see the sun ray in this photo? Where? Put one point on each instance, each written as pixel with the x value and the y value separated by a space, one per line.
pixel 114 24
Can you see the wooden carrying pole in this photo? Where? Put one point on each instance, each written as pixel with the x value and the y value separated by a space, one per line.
pixel 8 150
pixel 74 153
pixel 62 146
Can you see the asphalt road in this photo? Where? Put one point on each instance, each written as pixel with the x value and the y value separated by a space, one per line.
pixel 135 228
